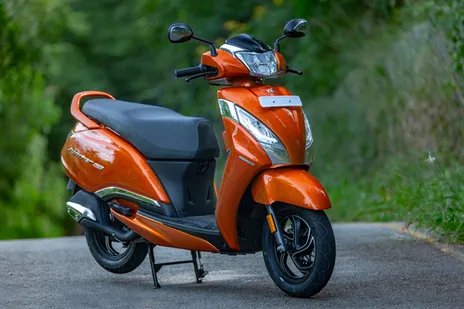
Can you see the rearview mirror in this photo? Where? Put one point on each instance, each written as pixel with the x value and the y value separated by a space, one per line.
pixel 179 32
pixel 296 28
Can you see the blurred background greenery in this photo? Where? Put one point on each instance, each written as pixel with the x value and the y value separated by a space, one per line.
pixel 383 87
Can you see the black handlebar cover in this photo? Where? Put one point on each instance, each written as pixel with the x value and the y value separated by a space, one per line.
pixel 179 73
pixel 188 71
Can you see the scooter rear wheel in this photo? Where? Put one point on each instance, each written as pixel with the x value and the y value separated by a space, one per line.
pixel 113 255
pixel 305 268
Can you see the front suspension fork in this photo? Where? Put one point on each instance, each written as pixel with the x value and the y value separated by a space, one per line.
pixel 275 229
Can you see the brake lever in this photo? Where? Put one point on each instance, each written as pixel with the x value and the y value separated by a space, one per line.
pixel 289 70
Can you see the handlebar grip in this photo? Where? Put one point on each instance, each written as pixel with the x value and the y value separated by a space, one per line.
pixel 189 71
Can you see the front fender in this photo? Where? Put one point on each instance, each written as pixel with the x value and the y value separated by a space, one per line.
pixel 289 185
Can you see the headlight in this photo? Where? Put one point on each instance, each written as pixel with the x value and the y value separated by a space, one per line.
pixel 268 140
pixel 259 64
pixel 309 142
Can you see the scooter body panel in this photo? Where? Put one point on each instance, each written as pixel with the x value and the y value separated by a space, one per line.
pixel 163 235
pixel 286 122
pixel 99 159
pixel 247 157
pixel 292 186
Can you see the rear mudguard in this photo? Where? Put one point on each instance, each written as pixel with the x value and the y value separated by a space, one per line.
pixel 289 185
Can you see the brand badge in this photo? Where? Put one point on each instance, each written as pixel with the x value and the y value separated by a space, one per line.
pixel 78 155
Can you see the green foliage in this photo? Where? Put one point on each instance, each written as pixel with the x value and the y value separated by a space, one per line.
pixel 449 16
pixel 37 204
pixel 31 187
pixel 437 201
pixel 420 192
pixel 400 101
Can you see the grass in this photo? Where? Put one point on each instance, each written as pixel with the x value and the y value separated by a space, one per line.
pixel 424 193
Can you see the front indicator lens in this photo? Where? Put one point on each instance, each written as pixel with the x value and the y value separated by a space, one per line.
pixel 266 138
pixel 259 64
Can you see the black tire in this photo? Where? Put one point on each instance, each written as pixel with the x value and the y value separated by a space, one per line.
pixel 314 267
pixel 105 251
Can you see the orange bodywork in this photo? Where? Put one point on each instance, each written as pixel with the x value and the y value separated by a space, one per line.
pixel 160 234
pixel 281 63
pixel 286 122
pixel 238 174
pixel 76 108
pixel 118 164
pixel 291 186
pixel 226 64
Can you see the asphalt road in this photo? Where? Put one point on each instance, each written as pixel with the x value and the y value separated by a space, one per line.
pixel 376 267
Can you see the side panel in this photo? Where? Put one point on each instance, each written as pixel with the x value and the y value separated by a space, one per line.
pixel 160 234
pixel 246 159
pixel 291 186
pixel 97 159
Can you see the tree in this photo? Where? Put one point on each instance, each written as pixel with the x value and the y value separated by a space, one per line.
pixel 31 187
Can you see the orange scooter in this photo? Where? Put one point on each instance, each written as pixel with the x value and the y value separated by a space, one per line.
pixel 143 175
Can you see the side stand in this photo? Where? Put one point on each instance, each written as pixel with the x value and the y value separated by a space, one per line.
pixel 200 273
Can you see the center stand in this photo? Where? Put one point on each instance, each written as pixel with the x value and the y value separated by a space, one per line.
pixel 200 273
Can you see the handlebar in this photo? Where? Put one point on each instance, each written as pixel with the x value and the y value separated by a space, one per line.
pixel 200 70
pixel 178 73
pixel 204 70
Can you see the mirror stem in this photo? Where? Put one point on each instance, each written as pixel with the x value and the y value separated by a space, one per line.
pixel 212 48
pixel 277 43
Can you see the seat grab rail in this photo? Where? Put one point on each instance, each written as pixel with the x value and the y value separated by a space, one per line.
pixel 76 109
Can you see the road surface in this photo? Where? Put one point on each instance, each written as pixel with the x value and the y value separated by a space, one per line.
pixel 377 266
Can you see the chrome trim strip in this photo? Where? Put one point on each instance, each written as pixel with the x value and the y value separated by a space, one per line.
pixel 115 192
pixel 227 109
pixel 246 160
pixel 77 211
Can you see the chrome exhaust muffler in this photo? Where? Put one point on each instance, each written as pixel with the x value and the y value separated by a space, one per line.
pixel 86 217
pixel 78 212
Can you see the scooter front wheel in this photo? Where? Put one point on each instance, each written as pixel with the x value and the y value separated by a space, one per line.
pixel 306 266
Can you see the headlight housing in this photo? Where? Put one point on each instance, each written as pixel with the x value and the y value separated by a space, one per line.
pixel 309 152
pixel 271 144
pixel 259 64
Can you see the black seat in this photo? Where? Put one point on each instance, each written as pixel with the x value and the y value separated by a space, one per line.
pixel 158 132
